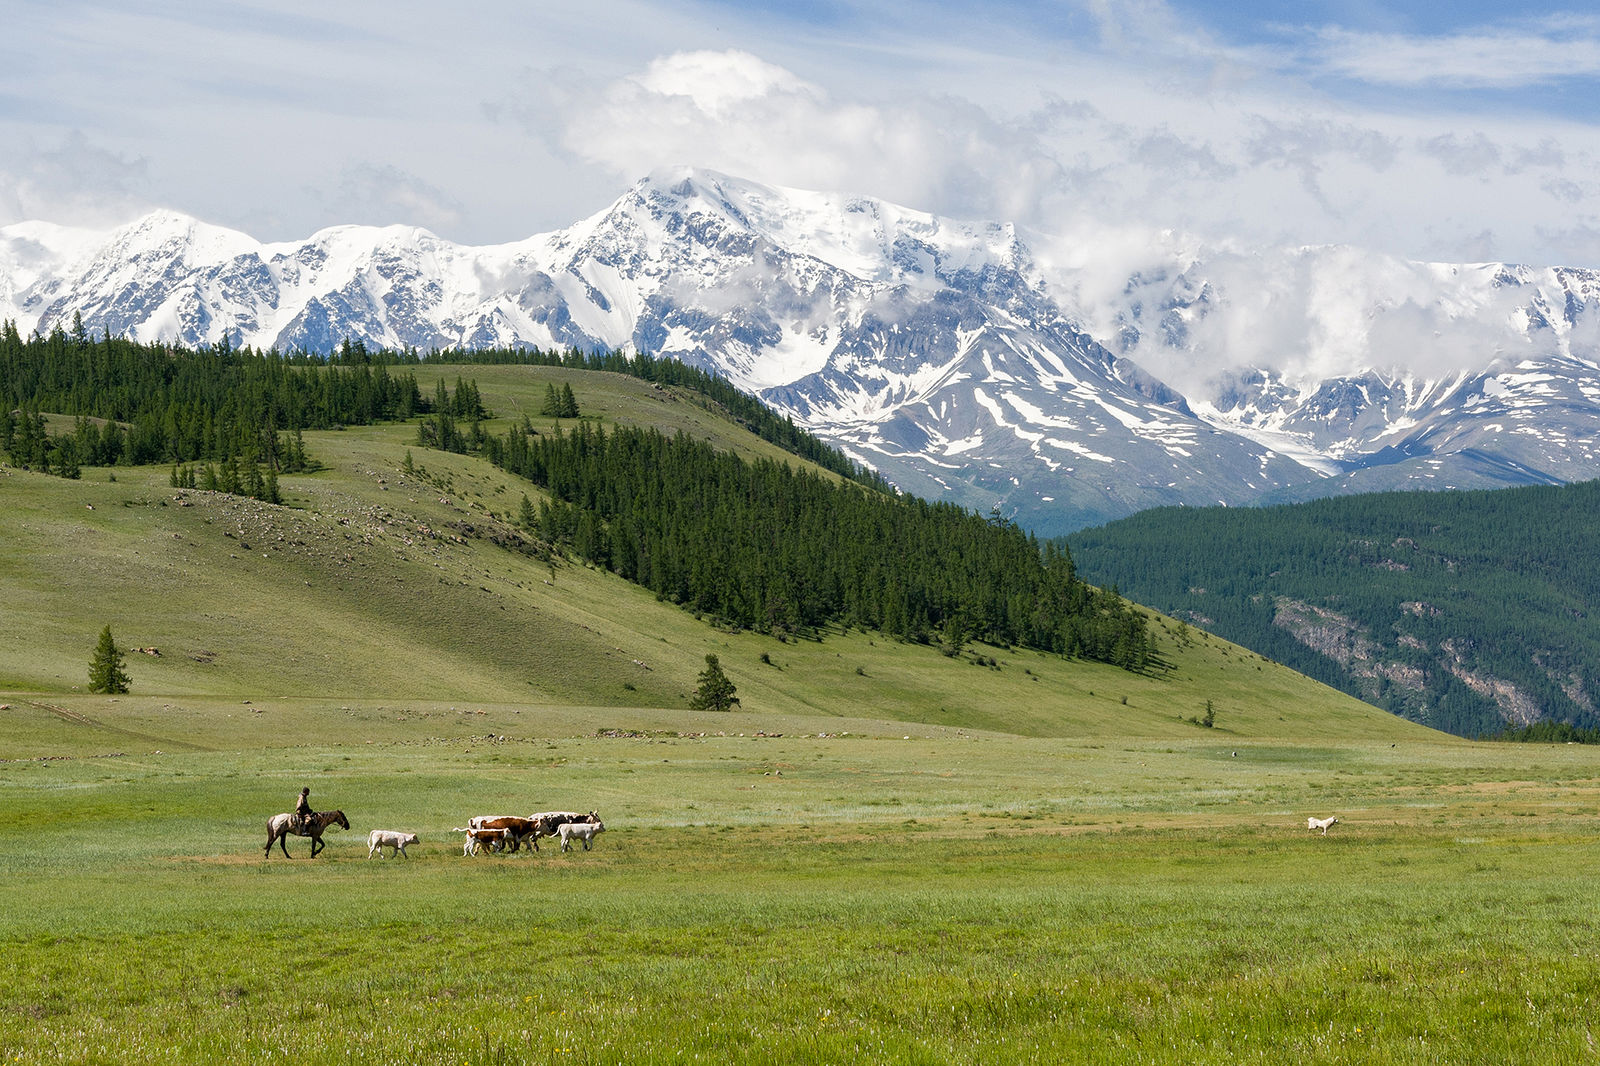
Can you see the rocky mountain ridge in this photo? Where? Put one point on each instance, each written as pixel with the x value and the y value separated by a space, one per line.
pixel 943 353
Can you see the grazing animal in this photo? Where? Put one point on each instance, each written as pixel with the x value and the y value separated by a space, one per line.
pixel 516 829
pixel 480 839
pixel 550 822
pixel 282 826
pixel 583 831
pixel 379 839
pixel 1321 823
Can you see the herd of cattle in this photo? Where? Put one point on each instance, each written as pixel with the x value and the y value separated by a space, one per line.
pixel 502 832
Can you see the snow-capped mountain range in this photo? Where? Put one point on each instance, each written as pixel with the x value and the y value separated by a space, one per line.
pixel 948 355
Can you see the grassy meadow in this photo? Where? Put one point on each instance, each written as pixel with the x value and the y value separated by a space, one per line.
pixel 886 855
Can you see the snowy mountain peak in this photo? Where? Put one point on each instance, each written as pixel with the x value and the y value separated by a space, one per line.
pixel 166 232
pixel 940 351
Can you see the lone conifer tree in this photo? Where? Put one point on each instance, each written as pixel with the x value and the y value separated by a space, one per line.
pixel 552 402
pixel 105 669
pixel 714 692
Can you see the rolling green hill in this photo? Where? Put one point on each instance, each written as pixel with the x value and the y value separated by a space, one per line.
pixel 1468 611
pixel 887 854
pixel 372 586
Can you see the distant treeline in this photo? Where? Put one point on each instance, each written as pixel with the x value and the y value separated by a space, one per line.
pixel 1462 610
pixel 75 372
pixel 1550 733
pixel 139 404
pixel 768 547
pixel 745 410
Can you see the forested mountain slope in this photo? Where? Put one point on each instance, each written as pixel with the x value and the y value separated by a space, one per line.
pixel 1468 611
pixel 757 546
pixel 395 580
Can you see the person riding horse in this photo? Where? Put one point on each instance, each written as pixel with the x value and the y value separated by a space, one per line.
pixel 302 809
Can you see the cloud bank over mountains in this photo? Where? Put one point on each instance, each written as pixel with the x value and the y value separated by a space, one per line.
pixel 1428 133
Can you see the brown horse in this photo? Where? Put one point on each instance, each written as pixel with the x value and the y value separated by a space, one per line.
pixel 281 826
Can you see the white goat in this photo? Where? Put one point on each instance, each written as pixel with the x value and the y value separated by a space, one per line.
pixel 1321 823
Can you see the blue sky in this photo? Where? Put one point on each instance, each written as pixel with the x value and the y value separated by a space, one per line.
pixel 1447 132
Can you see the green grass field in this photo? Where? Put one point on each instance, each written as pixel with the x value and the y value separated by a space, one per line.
pixel 886 855
pixel 806 898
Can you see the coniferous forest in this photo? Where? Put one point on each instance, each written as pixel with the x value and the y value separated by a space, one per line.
pixel 764 546
pixel 239 413
pixel 747 411
pixel 759 545
pixel 1468 611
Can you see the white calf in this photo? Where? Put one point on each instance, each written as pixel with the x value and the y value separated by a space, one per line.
pixel 1321 823
pixel 379 839
pixel 584 831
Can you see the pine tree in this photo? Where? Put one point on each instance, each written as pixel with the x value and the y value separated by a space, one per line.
pixel 714 692
pixel 568 406
pixel 552 402
pixel 105 669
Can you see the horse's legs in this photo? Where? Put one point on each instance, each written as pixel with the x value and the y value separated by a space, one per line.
pixel 316 846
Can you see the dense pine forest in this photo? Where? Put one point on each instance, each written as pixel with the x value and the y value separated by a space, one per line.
pixel 756 545
pixel 1468 611
pixel 764 546
pixel 237 412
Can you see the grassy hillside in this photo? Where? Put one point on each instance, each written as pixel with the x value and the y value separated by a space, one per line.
pixel 886 855
pixel 1464 610
pixel 371 584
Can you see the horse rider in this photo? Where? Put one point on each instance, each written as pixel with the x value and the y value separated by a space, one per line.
pixel 302 809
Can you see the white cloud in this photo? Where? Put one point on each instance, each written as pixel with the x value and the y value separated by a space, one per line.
pixel 1475 154
pixel 1488 58
pixel 1109 116
pixel 719 84
pixel 733 112
pixel 72 179
pixel 384 194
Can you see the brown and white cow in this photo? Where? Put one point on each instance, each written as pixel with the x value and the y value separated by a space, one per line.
pixel 516 829
pixel 481 839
